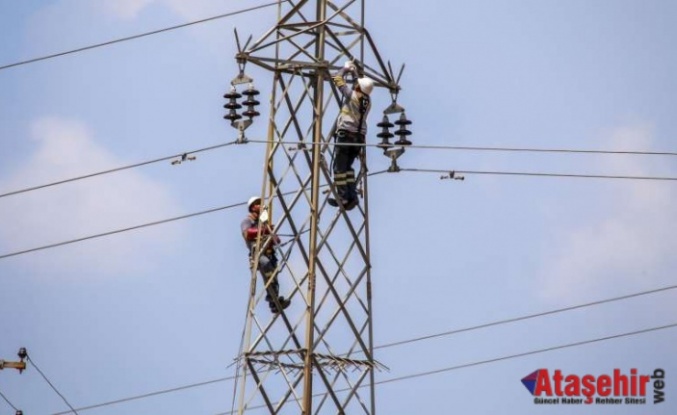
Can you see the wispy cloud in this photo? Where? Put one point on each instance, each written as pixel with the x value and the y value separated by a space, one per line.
pixel 634 242
pixel 209 36
pixel 65 148
pixel 126 9
pixel 130 9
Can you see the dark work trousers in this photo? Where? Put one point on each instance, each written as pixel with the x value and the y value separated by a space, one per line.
pixel 267 265
pixel 344 156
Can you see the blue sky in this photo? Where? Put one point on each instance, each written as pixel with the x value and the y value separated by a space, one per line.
pixel 163 306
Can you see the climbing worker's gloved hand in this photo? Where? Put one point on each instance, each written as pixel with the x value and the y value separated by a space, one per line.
pixel 263 216
pixel 350 66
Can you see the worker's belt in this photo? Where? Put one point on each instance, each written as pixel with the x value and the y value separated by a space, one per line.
pixel 266 252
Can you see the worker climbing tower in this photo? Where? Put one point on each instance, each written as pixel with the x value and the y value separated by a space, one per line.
pixel 316 356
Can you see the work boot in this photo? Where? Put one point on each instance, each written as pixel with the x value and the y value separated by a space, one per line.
pixel 341 190
pixel 284 303
pixel 333 202
pixel 350 204
pixel 347 204
pixel 350 194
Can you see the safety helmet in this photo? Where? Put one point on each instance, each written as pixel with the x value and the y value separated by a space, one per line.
pixel 366 85
pixel 252 201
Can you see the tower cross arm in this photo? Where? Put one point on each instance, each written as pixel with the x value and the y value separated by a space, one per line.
pixel 20 366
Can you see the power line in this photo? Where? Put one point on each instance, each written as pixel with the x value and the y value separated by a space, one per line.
pixel 131 228
pixel 117 169
pixel 148 395
pixel 141 35
pixel 526 317
pixel 495 360
pixel 393 344
pixel 483 148
pixel 537 174
pixel 52 386
pixel 529 353
pixel 8 402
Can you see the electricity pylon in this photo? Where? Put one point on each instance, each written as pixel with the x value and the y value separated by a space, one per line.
pixel 316 356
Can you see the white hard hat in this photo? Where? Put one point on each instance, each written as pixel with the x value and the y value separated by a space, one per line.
pixel 253 200
pixel 366 85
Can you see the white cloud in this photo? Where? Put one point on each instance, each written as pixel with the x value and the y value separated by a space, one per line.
pixel 210 36
pixel 126 9
pixel 194 9
pixel 633 243
pixel 65 148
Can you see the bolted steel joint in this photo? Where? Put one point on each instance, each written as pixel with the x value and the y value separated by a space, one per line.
pixel 393 154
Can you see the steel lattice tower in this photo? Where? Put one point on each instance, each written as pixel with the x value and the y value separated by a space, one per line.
pixel 316 357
